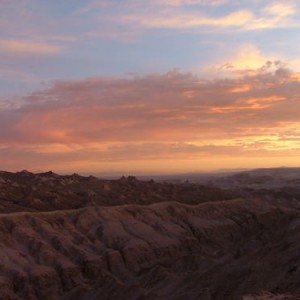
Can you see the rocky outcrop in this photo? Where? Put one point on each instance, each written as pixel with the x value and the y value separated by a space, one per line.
pixel 25 191
pixel 215 250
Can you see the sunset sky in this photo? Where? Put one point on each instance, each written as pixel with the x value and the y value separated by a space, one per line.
pixel 158 86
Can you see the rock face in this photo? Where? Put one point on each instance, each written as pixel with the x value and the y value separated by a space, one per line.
pixel 215 250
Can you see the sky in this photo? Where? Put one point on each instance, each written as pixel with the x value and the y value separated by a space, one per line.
pixel 149 87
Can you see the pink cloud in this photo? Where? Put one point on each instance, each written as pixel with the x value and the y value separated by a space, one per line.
pixel 25 47
pixel 172 106
pixel 170 116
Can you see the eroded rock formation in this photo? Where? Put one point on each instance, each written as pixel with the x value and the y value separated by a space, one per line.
pixel 215 250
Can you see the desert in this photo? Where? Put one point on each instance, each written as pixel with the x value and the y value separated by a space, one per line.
pixel 148 243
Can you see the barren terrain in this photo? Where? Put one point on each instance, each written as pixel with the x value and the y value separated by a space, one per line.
pixel 73 237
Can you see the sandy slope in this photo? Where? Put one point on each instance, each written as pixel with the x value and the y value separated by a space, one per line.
pixel 215 250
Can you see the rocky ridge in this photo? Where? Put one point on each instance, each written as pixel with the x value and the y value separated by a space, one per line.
pixel 26 191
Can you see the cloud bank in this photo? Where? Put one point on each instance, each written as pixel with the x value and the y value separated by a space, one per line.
pixel 149 119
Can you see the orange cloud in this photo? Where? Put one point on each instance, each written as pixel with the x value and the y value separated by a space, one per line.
pixel 241 88
pixel 174 116
pixel 295 76
pixel 248 104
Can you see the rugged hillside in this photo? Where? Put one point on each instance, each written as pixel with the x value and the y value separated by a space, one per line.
pixel 217 250
pixel 25 191
pixel 269 179
pixel 73 237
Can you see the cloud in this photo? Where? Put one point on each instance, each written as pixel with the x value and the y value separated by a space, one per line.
pixel 276 15
pixel 247 59
pixel 191 20
pixel 190 2
pixel 26 47
pixel 172 116
pixel 248 56
pixel 170 108
pixel 130 19
pixel 281 9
